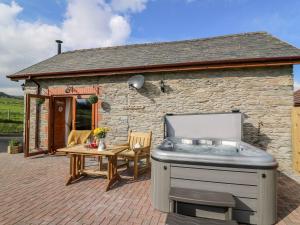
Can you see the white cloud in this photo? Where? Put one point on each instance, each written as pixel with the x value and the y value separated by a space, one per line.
pixel 8 13
pixel 87 24
pixel 296 85
pixel 93 23
pixel 120 29
pixel 21 43
pixel 129 5
pixel 12 91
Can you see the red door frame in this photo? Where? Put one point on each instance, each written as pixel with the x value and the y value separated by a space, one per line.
pixel 94 111
pixel 57 93
pixel 95 117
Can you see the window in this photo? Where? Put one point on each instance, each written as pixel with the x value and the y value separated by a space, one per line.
pixel 83 114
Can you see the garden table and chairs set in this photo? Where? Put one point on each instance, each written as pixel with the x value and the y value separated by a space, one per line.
pixel 78 149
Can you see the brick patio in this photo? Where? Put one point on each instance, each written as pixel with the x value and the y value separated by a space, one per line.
pixel 32 191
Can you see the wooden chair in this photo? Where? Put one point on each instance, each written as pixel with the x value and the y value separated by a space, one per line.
pixel 139 145
pixel 78 137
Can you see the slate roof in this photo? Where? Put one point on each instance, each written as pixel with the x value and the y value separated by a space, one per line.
pixel 238 46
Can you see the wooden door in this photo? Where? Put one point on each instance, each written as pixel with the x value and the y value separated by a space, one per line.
pixel 296 137
pixel 38 129
pixel 59 122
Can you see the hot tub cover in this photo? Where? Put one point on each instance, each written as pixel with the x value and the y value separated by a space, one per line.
pixel 213 125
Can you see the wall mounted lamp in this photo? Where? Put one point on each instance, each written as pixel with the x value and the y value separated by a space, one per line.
pixel 162 86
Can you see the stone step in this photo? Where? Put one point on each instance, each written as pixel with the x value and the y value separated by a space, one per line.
pixel 176 219
pixel 202 197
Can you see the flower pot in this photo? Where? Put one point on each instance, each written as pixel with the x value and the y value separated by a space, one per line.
pixel 101 145
pixel 14 149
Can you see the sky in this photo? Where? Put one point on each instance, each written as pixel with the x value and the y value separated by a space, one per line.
pixel 29 28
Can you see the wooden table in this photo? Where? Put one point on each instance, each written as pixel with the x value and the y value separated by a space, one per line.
pixel 77 162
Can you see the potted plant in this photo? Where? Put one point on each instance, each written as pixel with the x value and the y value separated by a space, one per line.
pixel 100 134
pixel 40 101
pixel 14 147
pixel 93 99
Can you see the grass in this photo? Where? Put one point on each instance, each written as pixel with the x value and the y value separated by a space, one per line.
pixel 11 115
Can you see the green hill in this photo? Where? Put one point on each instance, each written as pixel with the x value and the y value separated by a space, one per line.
pixel 4 95
pixel 11 113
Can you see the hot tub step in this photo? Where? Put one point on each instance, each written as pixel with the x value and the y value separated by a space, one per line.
pixel 176 219
pixel 200 203
pixel 201 197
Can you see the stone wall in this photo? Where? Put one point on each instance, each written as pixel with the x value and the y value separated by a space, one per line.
pixel 38 130
pixel 264 95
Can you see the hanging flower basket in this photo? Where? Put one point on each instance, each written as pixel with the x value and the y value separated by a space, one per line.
pixel 40 101
pixel 93 99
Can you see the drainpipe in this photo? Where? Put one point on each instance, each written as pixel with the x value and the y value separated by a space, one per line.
pixel 37 84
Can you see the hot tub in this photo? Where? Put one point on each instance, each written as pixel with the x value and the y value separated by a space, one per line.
pixel 223 164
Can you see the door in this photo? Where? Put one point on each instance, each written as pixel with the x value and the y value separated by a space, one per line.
pixel 38 129
pixel 59 123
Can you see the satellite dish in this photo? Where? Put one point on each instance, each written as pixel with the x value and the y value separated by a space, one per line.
pixel 136 81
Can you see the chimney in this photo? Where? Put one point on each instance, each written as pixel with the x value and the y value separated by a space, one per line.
pixel 59 42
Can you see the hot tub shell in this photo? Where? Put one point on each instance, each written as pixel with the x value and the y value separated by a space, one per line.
pixel 246 172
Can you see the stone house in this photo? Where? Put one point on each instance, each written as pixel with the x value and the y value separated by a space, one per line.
pixel 252 72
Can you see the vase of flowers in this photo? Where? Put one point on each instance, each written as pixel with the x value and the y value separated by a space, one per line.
pixel 100 134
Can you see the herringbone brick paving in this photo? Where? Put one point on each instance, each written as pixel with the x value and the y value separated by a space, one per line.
pixel 33 191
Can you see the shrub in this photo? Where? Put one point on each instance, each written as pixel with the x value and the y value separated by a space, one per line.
pixel 14 142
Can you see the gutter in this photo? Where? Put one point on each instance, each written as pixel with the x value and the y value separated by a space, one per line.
pixel 186 66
